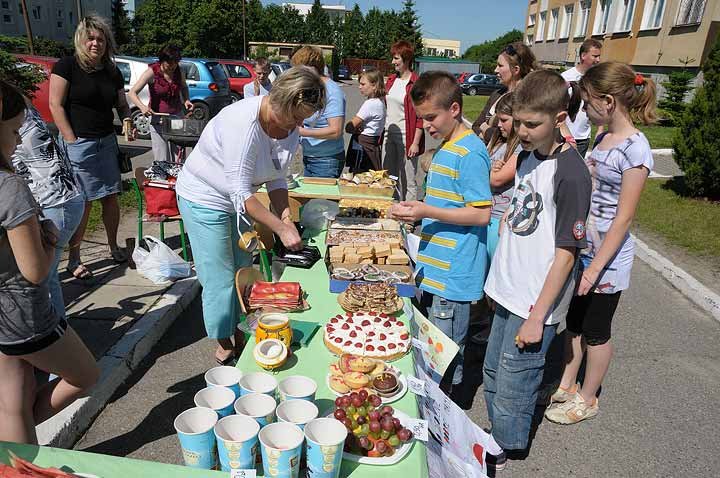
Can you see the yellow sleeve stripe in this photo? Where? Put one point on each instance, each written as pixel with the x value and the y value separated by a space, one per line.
pixel 479 203
pixel 431 261
pixel 442 194
pixel 445 171
pixel 454 148
pixel 433 284
pixel 440 241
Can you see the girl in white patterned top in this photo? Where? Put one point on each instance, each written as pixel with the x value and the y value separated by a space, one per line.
pixel 615 96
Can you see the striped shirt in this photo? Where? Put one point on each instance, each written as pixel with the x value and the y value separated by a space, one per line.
pixel 452 260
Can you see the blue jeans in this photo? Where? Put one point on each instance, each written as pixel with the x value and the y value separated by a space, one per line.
pixel 326 167
pixel 455 327
pixel 66 218
pixel 512 377
pixel 214 239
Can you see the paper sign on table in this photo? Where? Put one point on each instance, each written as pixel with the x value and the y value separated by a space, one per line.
pixel 420 345
pixel 416 385
pixel 243 474
pixel 419 428
pixel 440 349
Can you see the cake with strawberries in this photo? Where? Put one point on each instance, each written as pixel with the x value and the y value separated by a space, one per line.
pixel 368 334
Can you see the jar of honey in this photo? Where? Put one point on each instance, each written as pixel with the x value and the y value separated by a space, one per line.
pixel 274 326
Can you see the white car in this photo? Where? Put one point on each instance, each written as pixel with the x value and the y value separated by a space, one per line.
pixel 131 69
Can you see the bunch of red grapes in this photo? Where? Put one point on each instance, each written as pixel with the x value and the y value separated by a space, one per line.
pixel 373 430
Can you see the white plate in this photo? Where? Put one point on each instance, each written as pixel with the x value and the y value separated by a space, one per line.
pixel 402 389
pixel 384 460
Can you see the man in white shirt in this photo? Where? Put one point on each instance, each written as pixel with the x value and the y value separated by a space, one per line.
pixel 580 128
pixel 261 85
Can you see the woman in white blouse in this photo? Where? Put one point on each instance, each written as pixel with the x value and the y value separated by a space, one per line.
pixel 247 145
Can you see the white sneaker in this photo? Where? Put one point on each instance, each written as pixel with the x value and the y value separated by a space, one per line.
pixel 572 411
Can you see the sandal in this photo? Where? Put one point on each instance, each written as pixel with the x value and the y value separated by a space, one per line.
pixel 80 272
pixel 119 255
pixel 231 360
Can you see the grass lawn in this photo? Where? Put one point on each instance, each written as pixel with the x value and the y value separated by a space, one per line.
pixel 127 204
pixel 693 224
pixel 472 106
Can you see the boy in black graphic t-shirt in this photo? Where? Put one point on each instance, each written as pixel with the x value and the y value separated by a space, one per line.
pixel 533 272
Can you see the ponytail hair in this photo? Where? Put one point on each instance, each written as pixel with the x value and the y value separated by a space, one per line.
pixel 575 100
pixel 632 90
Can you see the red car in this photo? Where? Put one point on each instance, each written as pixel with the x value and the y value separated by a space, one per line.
pixel 240 73
pixel 41 100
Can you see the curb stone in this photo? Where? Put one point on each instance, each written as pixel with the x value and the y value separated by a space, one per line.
pixel 678 278
pixel 65 428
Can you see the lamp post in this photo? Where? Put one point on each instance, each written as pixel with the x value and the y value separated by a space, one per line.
pixel 28 29
pixel 245 55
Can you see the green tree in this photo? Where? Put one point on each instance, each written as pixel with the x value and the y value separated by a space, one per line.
pixel 318 26
pixel 353 35
pixel 409 27
pixel 486 53
pixel 676 89
pixel 158 22
pixel 122 29
pixel 697 142
pixel 25 77
pixel 293 25
pixel 376 37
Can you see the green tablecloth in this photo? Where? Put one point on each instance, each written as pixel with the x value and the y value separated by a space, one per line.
pixel 313 362
pixel 103 466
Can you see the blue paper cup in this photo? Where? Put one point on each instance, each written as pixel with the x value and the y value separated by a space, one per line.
pixel 220 399
pixel 258 382
pixel 297 387
pixel 224 377
pixel 195 430
pixel 259 406
pixel 280 445
pixel 298 412
pixel 237 442
pixel 325 440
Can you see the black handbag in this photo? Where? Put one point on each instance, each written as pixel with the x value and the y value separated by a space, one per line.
pixel 124 162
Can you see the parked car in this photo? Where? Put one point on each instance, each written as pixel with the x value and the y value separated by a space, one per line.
pixel 278 68
pixel 208 84
pixel 132 68
pixel 343 73
pixel 239 74
pixel 480 84
pixel 41 98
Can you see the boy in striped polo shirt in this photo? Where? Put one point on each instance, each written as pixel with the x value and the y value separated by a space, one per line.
pixel 452 260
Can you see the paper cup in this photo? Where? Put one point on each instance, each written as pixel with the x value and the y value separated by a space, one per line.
pixel 258 382
pixel 220 399
pixel 259 406
pixel 237 442
pixel 195 430
pixel 325 440
pixel 297 387
pixel 298 412
pixel 224 377
pixel 280 445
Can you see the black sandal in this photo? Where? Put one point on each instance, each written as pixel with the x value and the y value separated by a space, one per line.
pixel 80 272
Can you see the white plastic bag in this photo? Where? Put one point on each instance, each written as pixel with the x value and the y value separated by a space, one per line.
pixel 160 264
pixel 316 214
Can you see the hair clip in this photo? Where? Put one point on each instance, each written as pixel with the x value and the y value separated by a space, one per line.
pixel 639 79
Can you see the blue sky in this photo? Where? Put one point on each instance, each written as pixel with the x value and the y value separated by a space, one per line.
pixel 470 21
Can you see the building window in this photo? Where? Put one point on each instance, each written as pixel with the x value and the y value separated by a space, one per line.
pixel 529 40
pixel 625 14
pixel 5 5
pixel 37 12
pixel 531 20
pixel 7 19
pixel 690 12
pixel 552 27
pixel 59 24
pixel 602 17
pixel 566 21
pixel 582 18
pixel 541 26
pixel 653 14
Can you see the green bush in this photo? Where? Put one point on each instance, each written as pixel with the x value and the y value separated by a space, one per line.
pixel 697 141
pixel 24 77
pixel 676 88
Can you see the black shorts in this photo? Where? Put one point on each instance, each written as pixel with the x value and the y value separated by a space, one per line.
pixel 591 316
pixel 33 346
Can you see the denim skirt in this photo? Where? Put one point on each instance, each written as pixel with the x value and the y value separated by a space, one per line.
pixel 95 164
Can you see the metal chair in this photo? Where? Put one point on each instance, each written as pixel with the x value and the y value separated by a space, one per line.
pixel 137 184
